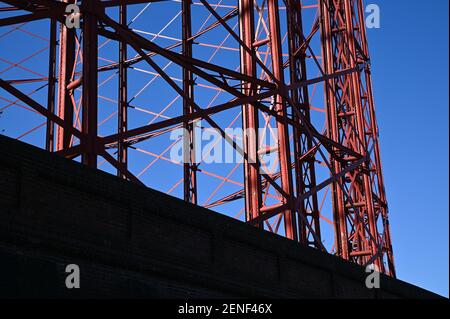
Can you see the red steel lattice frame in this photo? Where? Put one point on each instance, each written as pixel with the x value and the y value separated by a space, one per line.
pixel 285 202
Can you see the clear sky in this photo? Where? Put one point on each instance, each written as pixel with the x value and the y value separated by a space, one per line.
pixel 410 77
pixel 410 68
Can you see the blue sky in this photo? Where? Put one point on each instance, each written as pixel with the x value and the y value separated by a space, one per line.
pixel 410 74
pixel 410 77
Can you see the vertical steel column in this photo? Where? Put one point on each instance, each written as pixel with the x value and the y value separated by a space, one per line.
pixel 66 72
pixel 351 122
pixel 290 223
pixel 190 167
pixel 304 167
pixel 90 78
pixel 339 217
pixel 365 184
pixel 376 167
pixel 50 130
pixel 377 171
pixel 122 118
pixel 343 117
pixel 252 177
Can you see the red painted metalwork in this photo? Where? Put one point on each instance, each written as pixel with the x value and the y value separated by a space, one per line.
pixel 358 206
pixel 50 132
pixel 66 76
pixel 305 176
pixel 268 75
pixel 122 113
pixel 190 175
pixel 89 100
pixel 252 183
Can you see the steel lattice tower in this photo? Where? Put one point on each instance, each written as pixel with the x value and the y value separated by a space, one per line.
pixel 110 92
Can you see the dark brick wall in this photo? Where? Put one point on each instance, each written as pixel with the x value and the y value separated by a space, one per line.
pixel 130 241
